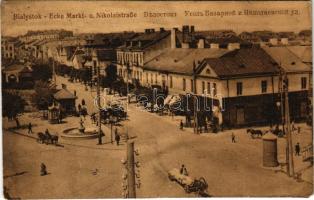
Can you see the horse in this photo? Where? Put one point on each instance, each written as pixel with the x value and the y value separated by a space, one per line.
pixel 41 137
pixel 47 138
pixel 254 132
pixel 54 139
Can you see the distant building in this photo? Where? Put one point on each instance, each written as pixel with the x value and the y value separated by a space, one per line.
pixel 17 73
pixel 9 47
pixel 46 34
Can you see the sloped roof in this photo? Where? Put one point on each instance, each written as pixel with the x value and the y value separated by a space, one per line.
pixel 147 39
pixel 287 59
pixel 243 62
pixel 17 68
pixel 105 54
pixel 181 60
pixel 64 94
pixel 303 52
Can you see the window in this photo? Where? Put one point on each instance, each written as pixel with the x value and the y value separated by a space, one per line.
pixel 146 77
pixel 170 81
pixel 207 71
pixel 184 85
pixel 303 82
pixel 155 78
pixel 208 88
pixel 264 86
pixel 192 85
pixel 239 88
pixel 203 87
pixel 214 89
pixel 151 78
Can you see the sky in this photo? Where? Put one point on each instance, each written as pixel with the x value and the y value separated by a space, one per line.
pixel 238 23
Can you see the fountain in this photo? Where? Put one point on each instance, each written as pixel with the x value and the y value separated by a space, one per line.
pixel 80 132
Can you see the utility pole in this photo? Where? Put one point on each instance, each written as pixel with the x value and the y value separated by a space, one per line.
pixel 127 81
pixel 195 99
pixel 131 170
pixel 290 163
pixel 54 72
pixel 99 106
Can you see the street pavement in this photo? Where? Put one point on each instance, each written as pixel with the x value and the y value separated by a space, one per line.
pixel 230 169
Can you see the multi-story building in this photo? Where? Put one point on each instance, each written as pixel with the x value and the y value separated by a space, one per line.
pixel 244 83
pixel 9 47
pixel 140 49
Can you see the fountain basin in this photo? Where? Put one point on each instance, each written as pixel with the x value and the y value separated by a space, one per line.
pixel 75 133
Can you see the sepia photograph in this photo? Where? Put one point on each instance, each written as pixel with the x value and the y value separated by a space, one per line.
pixel 156 99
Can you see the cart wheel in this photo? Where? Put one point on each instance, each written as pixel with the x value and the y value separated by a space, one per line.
pixel 187 189
pixel 171 178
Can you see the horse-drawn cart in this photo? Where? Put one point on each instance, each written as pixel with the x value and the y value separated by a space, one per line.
pixel 199 186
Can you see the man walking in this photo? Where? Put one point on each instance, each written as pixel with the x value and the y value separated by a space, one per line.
pixel 43 169
pixel 181 125
pixel 297 149
pixel 117 136
pixel 30 128
pixel 183 170
pixel 233 138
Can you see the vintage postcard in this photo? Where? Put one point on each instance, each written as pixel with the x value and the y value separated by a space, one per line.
pixel 136 99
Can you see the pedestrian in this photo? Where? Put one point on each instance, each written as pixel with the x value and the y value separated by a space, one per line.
pixel 30 128
pixel 233 138
pixel 297 149
pixel 17 122
pixel 181 125
pixel 79 108
pixel 183 170
pixel 83 102
pixel 74 92
pixel 117 137
pixel 43 169
pixel 60 118
pixel 292 126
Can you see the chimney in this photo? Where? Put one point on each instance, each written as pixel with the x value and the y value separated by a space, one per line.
pixel 200 44
pixel 185 33
pixel 173 38
pixel 192 29
pixel 147 30
pixel 233 46
pixel 162 29
pixel 214 46
pixel 152 30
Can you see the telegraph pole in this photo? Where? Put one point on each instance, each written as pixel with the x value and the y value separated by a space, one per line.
pixel 131 170
pixel 54 72
pixel 127 81
pixel 99 106
pixel 289 152
pixel 195 100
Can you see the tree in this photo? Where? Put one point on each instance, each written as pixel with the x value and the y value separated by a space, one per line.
pixel 43 94
pixel 12 106
pixel 111 75
pixel 41 72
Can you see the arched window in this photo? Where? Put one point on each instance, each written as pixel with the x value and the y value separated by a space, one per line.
pixel 207 71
